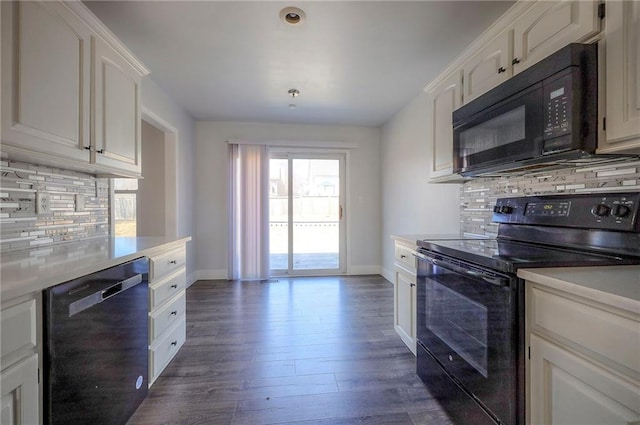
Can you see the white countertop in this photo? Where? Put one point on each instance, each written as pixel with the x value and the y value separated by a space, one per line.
pixel 412 239
pixel 32 270
pixel 614 285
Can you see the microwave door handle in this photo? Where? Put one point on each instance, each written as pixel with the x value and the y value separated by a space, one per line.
pixel 492 279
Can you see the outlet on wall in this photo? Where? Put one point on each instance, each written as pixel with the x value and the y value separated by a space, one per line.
pixel 79 202
pixel 43 203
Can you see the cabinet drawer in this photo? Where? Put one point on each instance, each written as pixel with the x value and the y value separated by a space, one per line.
pixel 613 337
pixel 404 256
pixel 161 353
pixel 161 320
pixel 163 264
pixel 166 288
pixel 18 328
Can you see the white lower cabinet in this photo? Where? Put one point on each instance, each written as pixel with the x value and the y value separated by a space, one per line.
pixel 167 308
pixel 19 387
pixel 19 381
pixel 404 295
pixel 569 389
pixel 584 362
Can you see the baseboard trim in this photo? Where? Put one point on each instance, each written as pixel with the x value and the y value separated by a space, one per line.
pixel 359 270
pixel 388 274
pixel 214 274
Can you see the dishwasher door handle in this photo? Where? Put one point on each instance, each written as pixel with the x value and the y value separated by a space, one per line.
pixel 104 294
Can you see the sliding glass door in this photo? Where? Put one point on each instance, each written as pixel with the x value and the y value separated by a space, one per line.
pixel 306 213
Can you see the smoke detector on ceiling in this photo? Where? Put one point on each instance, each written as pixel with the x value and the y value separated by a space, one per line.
pixel 293 15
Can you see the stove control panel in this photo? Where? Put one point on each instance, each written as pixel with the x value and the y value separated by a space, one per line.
pixel 612 211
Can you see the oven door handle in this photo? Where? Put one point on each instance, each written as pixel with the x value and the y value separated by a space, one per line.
pixel 487 277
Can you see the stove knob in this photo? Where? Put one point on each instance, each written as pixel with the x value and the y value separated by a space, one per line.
pixel 496 209
pixel 600 210
pixel 506 209
pixel 620 210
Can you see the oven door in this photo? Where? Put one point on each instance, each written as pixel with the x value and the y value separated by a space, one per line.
pixel 467 321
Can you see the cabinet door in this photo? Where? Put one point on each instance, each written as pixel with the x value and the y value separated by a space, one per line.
pixel 19 385
pixel 405 308
pixel 116 112
pixel 566 389
pixel 443 100
pixel 622 44
pixel 549 26
pixel 487 68
pixel 45 79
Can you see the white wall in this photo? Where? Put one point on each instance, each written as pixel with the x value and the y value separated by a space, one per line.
pixel 151 203
pixel 409 204
pixel 156 102
pixel 363 181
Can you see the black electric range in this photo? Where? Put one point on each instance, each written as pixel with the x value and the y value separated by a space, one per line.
pixel 470 302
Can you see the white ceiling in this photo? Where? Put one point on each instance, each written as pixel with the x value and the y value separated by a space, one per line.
pixel 355 62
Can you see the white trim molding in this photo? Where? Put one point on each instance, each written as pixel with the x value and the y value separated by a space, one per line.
pixel 297 143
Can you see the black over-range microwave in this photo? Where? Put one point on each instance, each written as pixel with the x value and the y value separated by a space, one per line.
pixel 546 115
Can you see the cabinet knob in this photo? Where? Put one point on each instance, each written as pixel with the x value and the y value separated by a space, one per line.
pixel 412 284
pixel 501 70
pixel 173 262
pixel 100 151
pixel 515 61
pixel 174 343
pixel 174 313
pixel 174 286
pixel 403 256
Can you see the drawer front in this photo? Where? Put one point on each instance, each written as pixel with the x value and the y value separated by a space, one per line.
pixel 161 353
pixel 18 328
pixel 166 288
pixel 609 335
pixel 161 320
pixel 163 264
pixel 404 256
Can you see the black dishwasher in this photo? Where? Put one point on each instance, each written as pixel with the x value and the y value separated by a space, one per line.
pixel 96 346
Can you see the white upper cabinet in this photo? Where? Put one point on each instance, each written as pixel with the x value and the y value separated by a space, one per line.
pixel 622 52
pixel 45 79
pixel 487 68
pixel 550 25
pixel 524 35
pixel 70 90
pixel 116 131
pixel 443 100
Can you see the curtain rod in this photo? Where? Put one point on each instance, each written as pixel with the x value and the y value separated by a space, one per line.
pixel 296 143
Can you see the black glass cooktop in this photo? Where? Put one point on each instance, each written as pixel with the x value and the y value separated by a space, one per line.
pixel 509 256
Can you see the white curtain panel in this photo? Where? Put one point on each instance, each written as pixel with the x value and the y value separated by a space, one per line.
pixel 249 212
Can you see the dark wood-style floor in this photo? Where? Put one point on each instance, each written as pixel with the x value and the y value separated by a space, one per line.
pixel 293 351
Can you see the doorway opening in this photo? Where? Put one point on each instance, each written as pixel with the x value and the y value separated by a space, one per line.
pixel 147 206
pixel 306 213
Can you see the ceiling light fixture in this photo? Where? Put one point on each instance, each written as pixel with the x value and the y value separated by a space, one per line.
pixel 293 93
pixel 293 15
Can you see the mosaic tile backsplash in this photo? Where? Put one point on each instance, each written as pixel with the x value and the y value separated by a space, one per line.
pixel 21 226
pixel 478 196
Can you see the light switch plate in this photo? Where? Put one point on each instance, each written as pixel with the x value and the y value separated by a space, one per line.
pixel 43 203
pixel 79 202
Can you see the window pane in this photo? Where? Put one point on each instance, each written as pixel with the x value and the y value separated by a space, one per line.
pixel 278 214
pixel 124 213
pixel 316 214
pixel 125 184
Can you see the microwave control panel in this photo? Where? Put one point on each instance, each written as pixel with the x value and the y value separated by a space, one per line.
pixel 557 107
